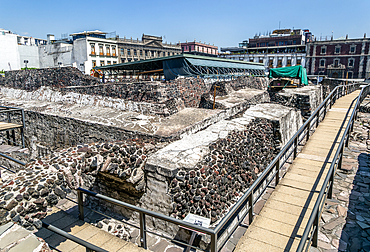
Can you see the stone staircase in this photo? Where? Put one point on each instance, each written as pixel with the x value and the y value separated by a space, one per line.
pixel 72 225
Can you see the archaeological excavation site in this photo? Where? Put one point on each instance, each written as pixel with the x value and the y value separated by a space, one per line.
pixel 129 161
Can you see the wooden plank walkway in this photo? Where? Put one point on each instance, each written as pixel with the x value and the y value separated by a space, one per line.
pixel 283 218
pixel 9 126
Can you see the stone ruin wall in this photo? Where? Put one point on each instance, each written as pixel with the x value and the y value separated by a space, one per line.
pixel 305 100
pixel 224 174
pixel 175 94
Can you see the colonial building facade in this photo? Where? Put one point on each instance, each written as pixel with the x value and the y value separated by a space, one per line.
pixel 199 48
pixel 84 51
pixel 340 58
pixel 281 48
pixel 148 47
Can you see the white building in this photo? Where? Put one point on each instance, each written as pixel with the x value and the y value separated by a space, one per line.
pixel 85 51
pixel 15 49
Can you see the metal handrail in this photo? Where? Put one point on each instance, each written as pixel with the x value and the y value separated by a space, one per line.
pixel 89 247
pixel 248 196
pixel 12 159
pixel 8 110
pixel 328 182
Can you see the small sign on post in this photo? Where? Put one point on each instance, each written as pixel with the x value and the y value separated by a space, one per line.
pixel 196 220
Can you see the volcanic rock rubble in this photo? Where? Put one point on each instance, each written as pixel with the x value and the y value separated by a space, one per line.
pixel 225 174
pixel 26 197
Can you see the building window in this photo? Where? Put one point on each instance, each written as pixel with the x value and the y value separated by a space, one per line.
pixel 152 53
pixel 108 63
pixel 299 61
pixel 352 49
pixel 323 50
pixel 113 51
pixel 102 63
pixel 351 63
pixel 128 52
pixel 114 62
pixel 122 51
pixel 289 62
pixel 101 52
pixel 94 63
pixel 337 50
pixel 164 54
pixel 92 49
pixel 107 51
pixel 261 60
pixel 135 52
pixel 141 52
pixel 336 63
pixel 280 63
pixel 271 63
pixel 350 74
pixel 146 53
pixel 322 63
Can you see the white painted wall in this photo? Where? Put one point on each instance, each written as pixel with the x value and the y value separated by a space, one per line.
pixel 80 55
pixel 30 53
pixel 9 53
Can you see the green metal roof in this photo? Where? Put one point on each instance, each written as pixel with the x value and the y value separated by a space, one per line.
pixel 207 61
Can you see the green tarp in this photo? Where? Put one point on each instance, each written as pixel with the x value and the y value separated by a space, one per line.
pixel 292 72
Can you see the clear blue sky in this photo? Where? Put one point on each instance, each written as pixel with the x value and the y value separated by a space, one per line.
pixel 224 23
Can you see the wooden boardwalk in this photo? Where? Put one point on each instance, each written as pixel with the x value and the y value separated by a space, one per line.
pixel 283 218
pixel 9 126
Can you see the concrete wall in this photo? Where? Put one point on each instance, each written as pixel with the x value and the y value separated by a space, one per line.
pixel 51 54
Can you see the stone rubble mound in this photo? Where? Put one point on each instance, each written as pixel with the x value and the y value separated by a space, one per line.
pixel 28 196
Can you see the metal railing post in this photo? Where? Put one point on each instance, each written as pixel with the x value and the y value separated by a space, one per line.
pixel 80 198
pixel 277 176
pixel 143 231
pixel 308 131
pixel 22 129
pixel 214 242
pixel 315 234
pixel 317 118
pixel 251 208
pixel 295 147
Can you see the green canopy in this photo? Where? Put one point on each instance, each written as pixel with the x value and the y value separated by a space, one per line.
pixel 292 72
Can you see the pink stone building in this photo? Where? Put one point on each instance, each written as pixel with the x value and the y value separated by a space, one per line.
pixel 199 48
